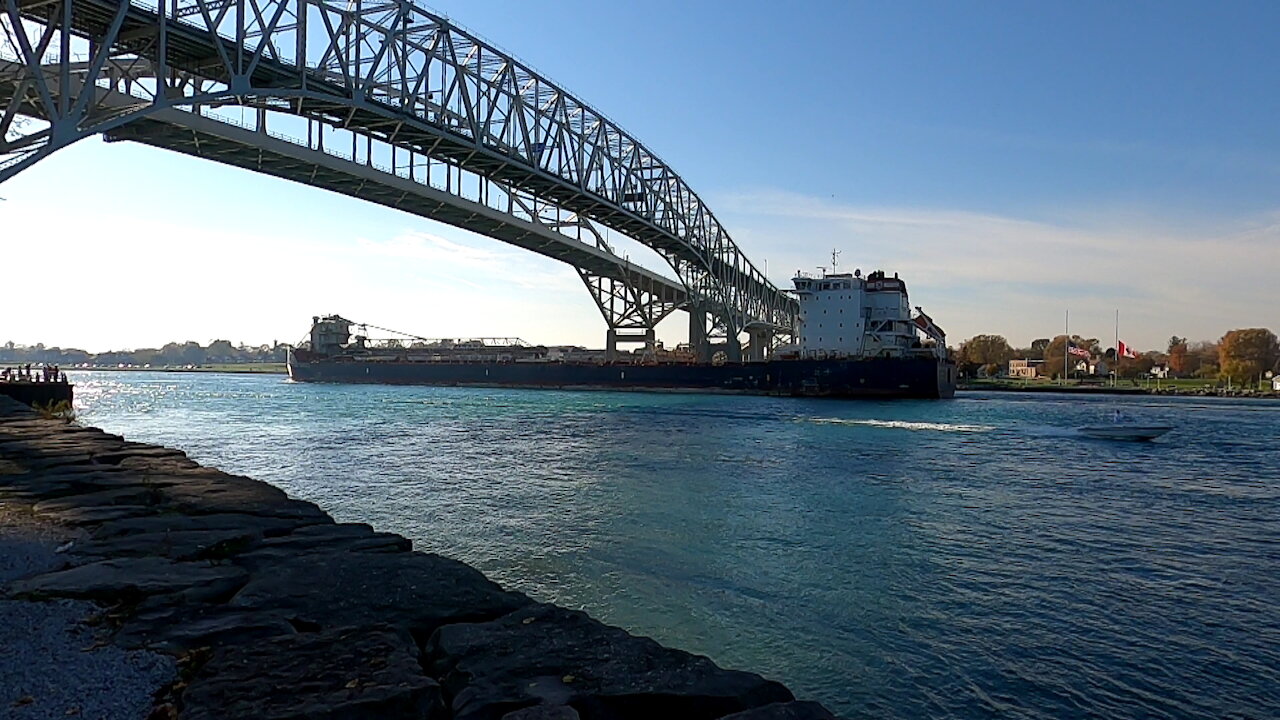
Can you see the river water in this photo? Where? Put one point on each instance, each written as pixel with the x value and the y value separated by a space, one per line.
pixel 969 558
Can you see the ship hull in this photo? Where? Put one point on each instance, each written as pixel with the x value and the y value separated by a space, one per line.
pixel 921 377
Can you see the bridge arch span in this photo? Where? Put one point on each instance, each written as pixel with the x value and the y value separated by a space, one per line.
pixel 416 97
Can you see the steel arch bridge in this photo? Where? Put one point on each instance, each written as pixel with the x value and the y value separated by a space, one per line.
pixel 386 101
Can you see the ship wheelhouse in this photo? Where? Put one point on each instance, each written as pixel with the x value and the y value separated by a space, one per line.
pixel 851 316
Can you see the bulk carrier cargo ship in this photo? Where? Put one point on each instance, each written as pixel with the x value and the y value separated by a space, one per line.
pixel 855 336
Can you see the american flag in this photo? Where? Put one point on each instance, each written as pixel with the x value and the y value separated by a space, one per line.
pixel 1078 352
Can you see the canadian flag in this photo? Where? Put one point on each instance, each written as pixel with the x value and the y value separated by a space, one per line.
pixel 1126 351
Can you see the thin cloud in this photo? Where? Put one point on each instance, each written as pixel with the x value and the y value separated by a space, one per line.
pixel 474 266
pixel 980 273
pixel 418 245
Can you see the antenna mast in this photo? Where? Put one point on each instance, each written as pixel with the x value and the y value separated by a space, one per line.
pixel 835 260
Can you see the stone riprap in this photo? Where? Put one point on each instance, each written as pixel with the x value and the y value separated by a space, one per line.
pixel 273 611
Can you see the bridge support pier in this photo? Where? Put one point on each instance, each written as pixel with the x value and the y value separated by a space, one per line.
pixel 705 329
pixel 759 340
pixel 732 349
pixel 698 341
pixel 642 336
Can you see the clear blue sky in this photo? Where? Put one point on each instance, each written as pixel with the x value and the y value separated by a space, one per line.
pixel 1010 159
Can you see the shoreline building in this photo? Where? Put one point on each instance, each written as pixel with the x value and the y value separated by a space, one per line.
pixel 1025 369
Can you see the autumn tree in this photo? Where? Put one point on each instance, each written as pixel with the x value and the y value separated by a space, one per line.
pixel 1202 359
pixel 1143 364
pixel 1178 358
pixel 1054 351
pixel 989 351
pixel 1053 356
pixel 1244 355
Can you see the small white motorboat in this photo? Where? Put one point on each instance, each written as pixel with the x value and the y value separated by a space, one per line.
pixel 1123 427
pixel 1121 431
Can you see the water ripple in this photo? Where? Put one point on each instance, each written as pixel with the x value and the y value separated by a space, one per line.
pixel 962 559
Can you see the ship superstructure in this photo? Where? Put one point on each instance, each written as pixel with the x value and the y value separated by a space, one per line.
pixel 846 315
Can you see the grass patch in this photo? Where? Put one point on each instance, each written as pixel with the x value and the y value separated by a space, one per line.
pixel 55 410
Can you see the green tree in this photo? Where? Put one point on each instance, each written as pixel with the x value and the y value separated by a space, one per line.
pixel 1035 352
pixel 1143 365
pixel 221 351
pixel 1202 359
pixel 1244 355
pixel 987 351
pixel 1207 371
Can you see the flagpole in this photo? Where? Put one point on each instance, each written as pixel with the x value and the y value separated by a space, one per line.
pixel 1066 342
pixel 1115 377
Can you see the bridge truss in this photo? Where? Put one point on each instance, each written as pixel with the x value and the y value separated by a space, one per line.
pixel 383 100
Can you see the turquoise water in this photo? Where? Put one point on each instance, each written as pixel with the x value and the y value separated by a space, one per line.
pixel 969 558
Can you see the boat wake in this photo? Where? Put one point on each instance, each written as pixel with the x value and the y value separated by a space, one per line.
pixel 906 425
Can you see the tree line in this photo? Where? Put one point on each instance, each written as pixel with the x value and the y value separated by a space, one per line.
pixel 173 354
pixel 1243 355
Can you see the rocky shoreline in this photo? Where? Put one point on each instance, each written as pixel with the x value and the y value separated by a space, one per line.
pixel 270 610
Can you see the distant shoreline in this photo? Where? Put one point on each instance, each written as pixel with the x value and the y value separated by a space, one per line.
pixel 1109 390
pixel 254 368
pixel 1182 391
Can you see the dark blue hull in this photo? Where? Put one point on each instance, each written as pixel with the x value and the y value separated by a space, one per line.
pixel 922 377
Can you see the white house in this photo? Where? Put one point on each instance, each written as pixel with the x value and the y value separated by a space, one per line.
pixel 1275 383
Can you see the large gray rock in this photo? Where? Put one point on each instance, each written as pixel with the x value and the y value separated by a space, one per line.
pixel 132 579
pixel 41 463
pixel 322 539
pixel 210 492
pixel 264 526
pixel 802 710
pixel 545 655
pixel 131 450
pixel 183 627
pixel 543 712
pixel 416 591
pixel 129 495
pixel 76 479
pixel 219 544
pixel 158 464
pixel 61 444
pixel 245 543
pixel 344 674
pixel 93 516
